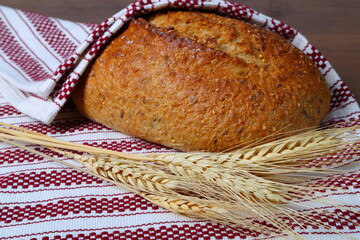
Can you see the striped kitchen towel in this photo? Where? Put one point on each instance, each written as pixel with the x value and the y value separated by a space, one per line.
pixel 41 59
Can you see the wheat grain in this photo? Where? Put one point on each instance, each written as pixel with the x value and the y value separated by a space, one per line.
pixel 145 177
pixel 182 206
pixel 308 143
pixel 286 151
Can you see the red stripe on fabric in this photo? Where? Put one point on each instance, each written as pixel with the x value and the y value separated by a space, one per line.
pixel 107 185
pixel 26 45
pixel 67 126
pixel 13 66
pixel 331 233
pixel 341 118
pixel 197 231
pixel 329 195
pixel 73 207
pixel 108 234
pixel 83 28
pixel 19 56
pixel 12 156
pixel 339 181
pixel 71 124
pixel 343 106
pixel 58 189
pixel 36 36
pixel 92 26
pixel 345 181
pixel 15 155
pixel 8 110
pixel 57 104
pixel 43 161
pixel 19 156
pixel 294 36
pixel 306 46
pixel 313 233
pixel 69 197
pixel 340 158
pixel 265 23
pixel 37 161
pixel 36 169
pixel 108 228
pixel 340 95
pixel 83 205
pixel 66 88
pixel 334 207
pixel 85 125
pixel 35 96
pixel 67 30
pixel 46 179
pixel 28 164
pixel 128 146
pixel 182 230
pixel 334 84
pixel 316 56
pixel 326 73
pixel 282 29
pixel 81 217
pixel 52 35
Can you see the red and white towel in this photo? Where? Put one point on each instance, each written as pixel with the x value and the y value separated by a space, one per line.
pixel 41 59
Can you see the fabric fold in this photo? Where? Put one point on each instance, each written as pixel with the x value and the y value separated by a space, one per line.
pixel 32 48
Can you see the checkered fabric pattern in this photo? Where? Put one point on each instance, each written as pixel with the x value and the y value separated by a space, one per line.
pixel 42 58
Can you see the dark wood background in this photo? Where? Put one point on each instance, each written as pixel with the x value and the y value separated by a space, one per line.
pixel 331 25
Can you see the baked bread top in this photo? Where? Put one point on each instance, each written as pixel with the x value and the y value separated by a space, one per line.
pixel 199 81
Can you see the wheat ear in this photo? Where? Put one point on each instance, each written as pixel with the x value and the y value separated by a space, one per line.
pixel 191 206
pixel 284 156
pixel 205 179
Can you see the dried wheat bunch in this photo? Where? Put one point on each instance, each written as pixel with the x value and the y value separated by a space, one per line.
pixel 239 188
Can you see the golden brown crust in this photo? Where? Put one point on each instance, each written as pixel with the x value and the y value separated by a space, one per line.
pixel 183 85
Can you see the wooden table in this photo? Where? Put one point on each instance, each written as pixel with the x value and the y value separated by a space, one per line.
pixel 332 26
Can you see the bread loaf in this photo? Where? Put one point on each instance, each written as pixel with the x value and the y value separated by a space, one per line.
pixel 201 82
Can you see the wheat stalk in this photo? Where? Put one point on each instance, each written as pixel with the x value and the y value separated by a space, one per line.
pixel 178 202
pixel 143 176
pixel 222 187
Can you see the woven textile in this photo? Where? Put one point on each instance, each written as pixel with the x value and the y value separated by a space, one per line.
pixel 41 59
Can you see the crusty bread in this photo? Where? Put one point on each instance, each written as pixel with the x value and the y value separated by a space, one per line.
pixel 198 81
